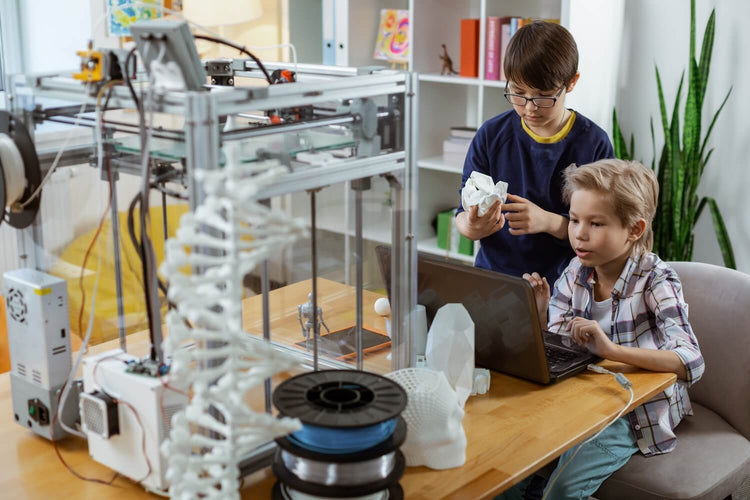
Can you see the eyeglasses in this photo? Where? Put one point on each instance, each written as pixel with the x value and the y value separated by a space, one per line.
pixel 539 102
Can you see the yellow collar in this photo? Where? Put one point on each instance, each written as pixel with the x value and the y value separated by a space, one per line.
pixel 555 138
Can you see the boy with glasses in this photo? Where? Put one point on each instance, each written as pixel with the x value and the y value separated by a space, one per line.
pixel 528 147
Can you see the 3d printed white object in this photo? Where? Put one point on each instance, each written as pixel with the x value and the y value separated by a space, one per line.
pixel 217 429
pixel 435 436
pixel 420 330
pixel 450 348
pixel 382 307
pixel 480 190
pixel 481 381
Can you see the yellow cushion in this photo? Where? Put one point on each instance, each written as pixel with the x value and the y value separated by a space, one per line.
pixel 105 315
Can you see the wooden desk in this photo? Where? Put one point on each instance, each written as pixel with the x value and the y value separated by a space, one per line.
pixel 514 430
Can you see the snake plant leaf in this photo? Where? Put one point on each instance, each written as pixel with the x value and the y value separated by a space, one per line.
pixel 653 144
pixel 705 58
pixel 713 121
pixel 621 150
pixel 663 112
pixel 722 236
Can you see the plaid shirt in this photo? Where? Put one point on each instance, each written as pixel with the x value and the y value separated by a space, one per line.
pixel 649 312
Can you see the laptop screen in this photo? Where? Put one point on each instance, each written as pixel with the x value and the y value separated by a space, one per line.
pixel 506 326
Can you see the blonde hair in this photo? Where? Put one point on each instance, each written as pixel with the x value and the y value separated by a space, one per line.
pixel 632 188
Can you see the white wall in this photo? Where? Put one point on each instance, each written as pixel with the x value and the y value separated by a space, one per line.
pixel 52 31
pixel 658 33
pixel 597 27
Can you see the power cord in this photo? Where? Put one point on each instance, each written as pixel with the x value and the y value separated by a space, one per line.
pixel 626 384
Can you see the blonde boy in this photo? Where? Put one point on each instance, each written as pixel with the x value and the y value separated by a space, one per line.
pixel 622 302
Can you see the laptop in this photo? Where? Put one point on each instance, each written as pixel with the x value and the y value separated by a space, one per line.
pixel 507 335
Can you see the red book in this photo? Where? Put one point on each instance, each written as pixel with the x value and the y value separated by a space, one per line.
pixel 492 49
pixel 469 48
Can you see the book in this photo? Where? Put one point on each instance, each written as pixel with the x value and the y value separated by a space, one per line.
pixel 456 145
pixel 469 63
pixel 449 238
pixel 492 49
pixel 504 39
pixel 465 132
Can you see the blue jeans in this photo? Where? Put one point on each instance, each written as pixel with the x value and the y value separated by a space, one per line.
pixel 596 461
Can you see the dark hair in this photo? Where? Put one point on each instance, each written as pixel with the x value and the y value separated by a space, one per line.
pixel 542 55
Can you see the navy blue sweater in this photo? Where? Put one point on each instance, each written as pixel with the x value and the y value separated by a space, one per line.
pixel 503 150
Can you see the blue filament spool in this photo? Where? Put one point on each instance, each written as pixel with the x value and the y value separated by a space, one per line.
pixel 342 411
pixel 337 441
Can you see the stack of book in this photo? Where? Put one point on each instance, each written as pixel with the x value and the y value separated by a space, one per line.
pixel 497 35
pixel 457 145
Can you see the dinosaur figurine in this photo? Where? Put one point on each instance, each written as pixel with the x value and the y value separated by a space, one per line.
pixel 447 63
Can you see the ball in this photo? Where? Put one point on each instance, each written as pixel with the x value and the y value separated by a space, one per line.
pixel 382 307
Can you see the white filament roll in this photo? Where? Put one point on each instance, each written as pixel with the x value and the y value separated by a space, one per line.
pixel 15 176
pixel 340 474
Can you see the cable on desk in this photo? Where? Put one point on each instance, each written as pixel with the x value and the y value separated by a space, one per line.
pixel 625 383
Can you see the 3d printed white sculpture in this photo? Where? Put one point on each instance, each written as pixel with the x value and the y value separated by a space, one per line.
pixel 450 348
pixel 228 234
pixel 435 436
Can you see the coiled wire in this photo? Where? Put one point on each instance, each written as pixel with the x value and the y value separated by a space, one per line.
pixel 340 474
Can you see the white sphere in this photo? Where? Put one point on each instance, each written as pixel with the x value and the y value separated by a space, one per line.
pixel 382 306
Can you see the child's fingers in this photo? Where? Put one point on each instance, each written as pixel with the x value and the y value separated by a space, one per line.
pixel 473 213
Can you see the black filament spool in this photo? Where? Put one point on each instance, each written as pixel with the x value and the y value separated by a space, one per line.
pixel 285 476
pixel 395 492
pixel 16 130
pixel 383 448
pixel 340 398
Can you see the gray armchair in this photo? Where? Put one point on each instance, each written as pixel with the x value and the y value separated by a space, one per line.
pixel 712 457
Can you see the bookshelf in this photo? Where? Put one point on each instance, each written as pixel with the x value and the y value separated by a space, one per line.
pixel 444 100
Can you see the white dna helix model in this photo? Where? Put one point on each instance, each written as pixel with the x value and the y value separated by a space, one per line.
pixel 234 234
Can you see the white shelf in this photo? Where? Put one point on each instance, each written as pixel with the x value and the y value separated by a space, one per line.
pixel 430 246
pixel 456 80
pixel 441 164
pixel 460 80
pixel 495 83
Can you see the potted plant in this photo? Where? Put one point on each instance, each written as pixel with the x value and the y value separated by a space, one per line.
pixel 683 159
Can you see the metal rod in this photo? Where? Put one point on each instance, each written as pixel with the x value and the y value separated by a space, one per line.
pixel 265 287
pixel 164 217
pixel 118 263
pixel 358 263
pixel 124 127
pixel 313 244
pixel 243 133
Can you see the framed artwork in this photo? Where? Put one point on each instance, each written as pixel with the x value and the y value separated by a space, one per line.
pixel 392 43
pixel 120 15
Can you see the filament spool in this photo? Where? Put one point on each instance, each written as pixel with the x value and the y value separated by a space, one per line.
pixel 19 147
pixel 342 490
pixel 387 446
pixel 340 399
pixel 348 447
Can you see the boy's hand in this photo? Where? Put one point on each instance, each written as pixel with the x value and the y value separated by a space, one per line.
pixel 474 227
pixel 588 333
pixel 541 294
pixel 525 217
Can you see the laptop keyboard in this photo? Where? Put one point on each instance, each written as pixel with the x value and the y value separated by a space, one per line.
pixel 559 356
